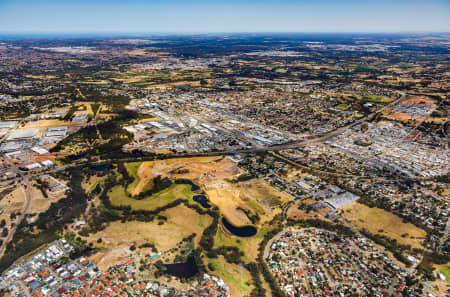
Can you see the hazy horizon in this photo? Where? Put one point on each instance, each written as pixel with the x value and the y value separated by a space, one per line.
pixel 199 16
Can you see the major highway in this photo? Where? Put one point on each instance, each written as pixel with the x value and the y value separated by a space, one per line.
pixel 24 177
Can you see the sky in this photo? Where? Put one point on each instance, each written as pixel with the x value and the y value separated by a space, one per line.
pixel 198 16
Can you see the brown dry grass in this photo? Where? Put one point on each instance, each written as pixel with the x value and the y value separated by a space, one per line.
pixel 300 214
pixel 254 195
pixel 294 174
pixel 189 219
pixel 45 124
pixel 213 175
pixel 227 198
pixel 375 219
pixel 13 202
pixel 235 277
pixel 92 180
pixel 197 169
pixel 118 237
pixel 435 120
pixel 110 257
pixel 39 203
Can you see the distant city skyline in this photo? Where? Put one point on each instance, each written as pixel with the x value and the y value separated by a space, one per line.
pixel 138 16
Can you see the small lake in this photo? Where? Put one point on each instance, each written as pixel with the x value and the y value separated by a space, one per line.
pixel 102 167
pixel 182 87
pixel 77 157
pixel 186 181
pixel 184 270
pixel 245 231
pixel 203 200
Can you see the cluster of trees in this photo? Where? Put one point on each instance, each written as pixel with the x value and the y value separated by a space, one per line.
pixel 231 254
pixel 95 107
pixel 253 217
pixel 109 143
pixel 243 177
pixel 81 247
pixel 42 186
pixel 317 223
pixel 49 224
pixel 392 245
pixel 262 266
pixel 108 212
pixel 426 267
pixel 254 270
pixel 159 184
pixel 207 240
pixel 70 113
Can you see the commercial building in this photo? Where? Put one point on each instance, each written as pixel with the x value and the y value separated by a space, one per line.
pixel 341 200
pixel 8 124
pixel 56 131
pixel 23 134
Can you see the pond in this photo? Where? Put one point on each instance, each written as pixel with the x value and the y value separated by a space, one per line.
pixel 202 200
pixel 182 87
pixel 102 167
pixel 194 187
pixel 245 231
pixel 77 157
pixel 184 270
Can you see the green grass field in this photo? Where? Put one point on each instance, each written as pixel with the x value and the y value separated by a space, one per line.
pixel 446 272
pixel 112 176
pixel 343 106
pixel 232 275
pixel 377 99
pixel 256 207
pixel 119 197
pixel 249 246
pixel 132 169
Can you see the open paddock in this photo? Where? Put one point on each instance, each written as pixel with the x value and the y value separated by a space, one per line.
pixel 379 221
